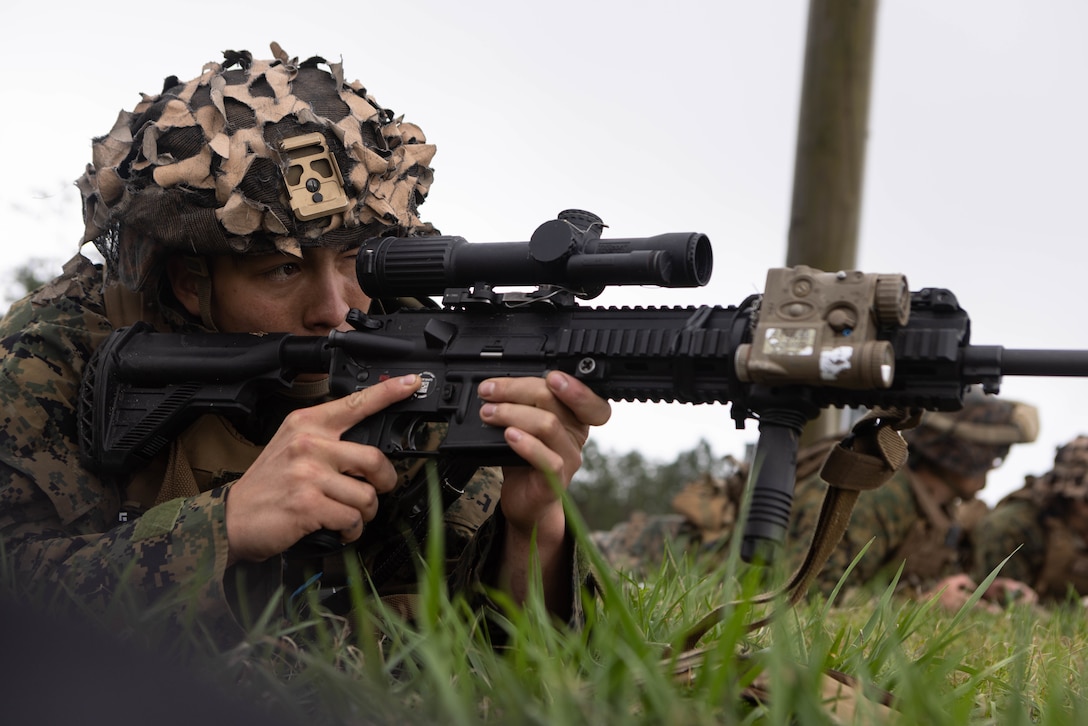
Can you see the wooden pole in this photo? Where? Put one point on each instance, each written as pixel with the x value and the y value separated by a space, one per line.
pixel 831 138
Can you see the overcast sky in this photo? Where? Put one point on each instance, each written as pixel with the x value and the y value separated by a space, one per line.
pixel 659 117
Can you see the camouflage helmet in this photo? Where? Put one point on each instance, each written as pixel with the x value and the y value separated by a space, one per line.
pixel 1068 480
pixel 251 156
pixel 975 439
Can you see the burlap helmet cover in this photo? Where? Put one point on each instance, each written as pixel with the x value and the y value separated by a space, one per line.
pixel 1069 477
pixel 976 438
pixel 198 168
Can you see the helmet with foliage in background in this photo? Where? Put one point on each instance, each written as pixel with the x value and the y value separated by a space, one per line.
pixel 1067 481
pixel 252 156
pixel 975 439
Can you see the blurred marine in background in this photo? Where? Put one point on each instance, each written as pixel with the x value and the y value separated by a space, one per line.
pixel 923 517
pixel 704 513
pixel 1044 527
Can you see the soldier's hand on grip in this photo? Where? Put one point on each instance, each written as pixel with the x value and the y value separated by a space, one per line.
pixel 308 479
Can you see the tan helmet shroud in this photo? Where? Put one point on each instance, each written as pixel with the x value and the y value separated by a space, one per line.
pixel 1020 427
pixel 976 438
pixel 199 169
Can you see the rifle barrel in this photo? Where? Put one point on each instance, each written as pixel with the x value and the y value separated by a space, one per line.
pixel 1024 362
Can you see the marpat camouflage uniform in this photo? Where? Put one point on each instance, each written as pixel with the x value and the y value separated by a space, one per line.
pixel 639 544
pixel 906 524
pixel 704 512
pixel 895 518
pixel 1034 526
pixel 202 168
pixel 59 523
pixel 1016 522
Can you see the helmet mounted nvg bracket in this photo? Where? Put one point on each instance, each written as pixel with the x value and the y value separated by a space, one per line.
pixel 314 184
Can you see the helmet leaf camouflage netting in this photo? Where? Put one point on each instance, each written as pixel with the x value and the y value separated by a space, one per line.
pixel 203 167
pixel 1067 480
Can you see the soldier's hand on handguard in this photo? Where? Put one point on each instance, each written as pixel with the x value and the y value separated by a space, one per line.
pixel 547 422
pixel 308 479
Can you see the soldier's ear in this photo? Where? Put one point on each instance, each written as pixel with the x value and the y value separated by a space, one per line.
pixel 188 275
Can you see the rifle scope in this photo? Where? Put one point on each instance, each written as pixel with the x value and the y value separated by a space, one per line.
pixel 567 252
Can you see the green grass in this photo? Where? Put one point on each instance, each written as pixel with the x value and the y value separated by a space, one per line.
pixel 1019 666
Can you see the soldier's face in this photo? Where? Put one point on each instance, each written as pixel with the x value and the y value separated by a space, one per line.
pixel 947 485
pixel 966 486
pixel 280 293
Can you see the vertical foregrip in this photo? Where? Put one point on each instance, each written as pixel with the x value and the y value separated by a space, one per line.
pixel 772 478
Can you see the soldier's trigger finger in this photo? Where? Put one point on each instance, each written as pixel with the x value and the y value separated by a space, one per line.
pixel 345 412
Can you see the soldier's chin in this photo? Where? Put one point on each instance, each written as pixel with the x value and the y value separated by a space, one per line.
pixel 969 490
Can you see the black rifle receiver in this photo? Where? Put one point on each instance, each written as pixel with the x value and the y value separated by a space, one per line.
pixel 812 340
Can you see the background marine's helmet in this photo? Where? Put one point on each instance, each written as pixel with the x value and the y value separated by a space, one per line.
pixel 1068 480
pixel 975 439
pixel 251 156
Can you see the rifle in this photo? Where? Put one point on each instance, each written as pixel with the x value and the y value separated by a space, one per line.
pixel 811 340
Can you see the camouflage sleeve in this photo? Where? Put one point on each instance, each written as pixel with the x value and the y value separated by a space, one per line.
pixel 477 569
pixel 472 539
pixel 883 515
pixel 1011 525
pixel 175 550
pixel 477 521
pixel 57 520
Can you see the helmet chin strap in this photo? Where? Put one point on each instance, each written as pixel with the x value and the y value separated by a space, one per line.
pixel 204 290
pixel 198 267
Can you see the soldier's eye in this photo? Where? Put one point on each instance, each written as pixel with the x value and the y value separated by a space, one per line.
pixel 283 272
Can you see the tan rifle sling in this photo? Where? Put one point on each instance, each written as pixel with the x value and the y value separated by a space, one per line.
pixel 866 458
